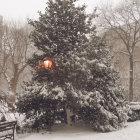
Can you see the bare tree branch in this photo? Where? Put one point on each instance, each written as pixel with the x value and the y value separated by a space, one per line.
pixel 123 22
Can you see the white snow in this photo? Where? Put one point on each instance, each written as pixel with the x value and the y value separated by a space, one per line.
pixel 101 65
pixel 92 61
pixel 135 105
pixel 130 132
pixel 60 92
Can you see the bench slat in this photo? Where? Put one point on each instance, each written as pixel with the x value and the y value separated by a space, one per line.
pixel 6 126
pixel 4 123
pixel 5 129
pixel 6 135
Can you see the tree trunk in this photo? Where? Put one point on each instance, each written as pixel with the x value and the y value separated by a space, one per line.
pixel 131 79
pixel 68 114
pixel 1 35
pixel 13 86
pixel 1 31
pixel 14 80
pixel 13 83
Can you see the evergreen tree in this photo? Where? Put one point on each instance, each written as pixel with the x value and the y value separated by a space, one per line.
pixel 81 77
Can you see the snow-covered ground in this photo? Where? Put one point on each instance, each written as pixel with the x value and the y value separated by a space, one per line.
pixel 130 132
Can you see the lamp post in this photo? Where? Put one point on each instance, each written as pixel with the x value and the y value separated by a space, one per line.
pixel 47 63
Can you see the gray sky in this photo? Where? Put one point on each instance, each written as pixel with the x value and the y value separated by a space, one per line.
pixel 22 9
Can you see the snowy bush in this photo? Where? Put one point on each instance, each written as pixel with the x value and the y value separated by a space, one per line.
pixel 6 108
pixel 37 105
pixel 134 111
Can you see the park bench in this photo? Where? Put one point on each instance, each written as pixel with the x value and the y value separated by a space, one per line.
pixel 7 130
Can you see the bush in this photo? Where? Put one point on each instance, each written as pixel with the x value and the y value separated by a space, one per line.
pixel 134 111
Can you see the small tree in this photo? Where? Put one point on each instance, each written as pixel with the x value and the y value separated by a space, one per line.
pixel 81 78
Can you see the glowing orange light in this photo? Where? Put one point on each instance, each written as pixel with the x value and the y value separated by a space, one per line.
pixel 47 63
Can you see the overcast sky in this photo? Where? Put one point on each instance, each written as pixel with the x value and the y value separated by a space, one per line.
pixel 22 9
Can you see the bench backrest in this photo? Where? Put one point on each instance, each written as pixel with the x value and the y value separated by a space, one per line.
pixel 7 125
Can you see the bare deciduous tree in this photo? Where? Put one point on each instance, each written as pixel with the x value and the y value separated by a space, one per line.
pixel 16 46
pixel 124 22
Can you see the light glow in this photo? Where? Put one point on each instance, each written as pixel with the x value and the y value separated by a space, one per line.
pixel 47 64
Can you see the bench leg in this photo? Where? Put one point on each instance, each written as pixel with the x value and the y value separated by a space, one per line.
pixel 13 134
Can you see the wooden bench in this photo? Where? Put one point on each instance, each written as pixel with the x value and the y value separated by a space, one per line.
pixel 7 130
